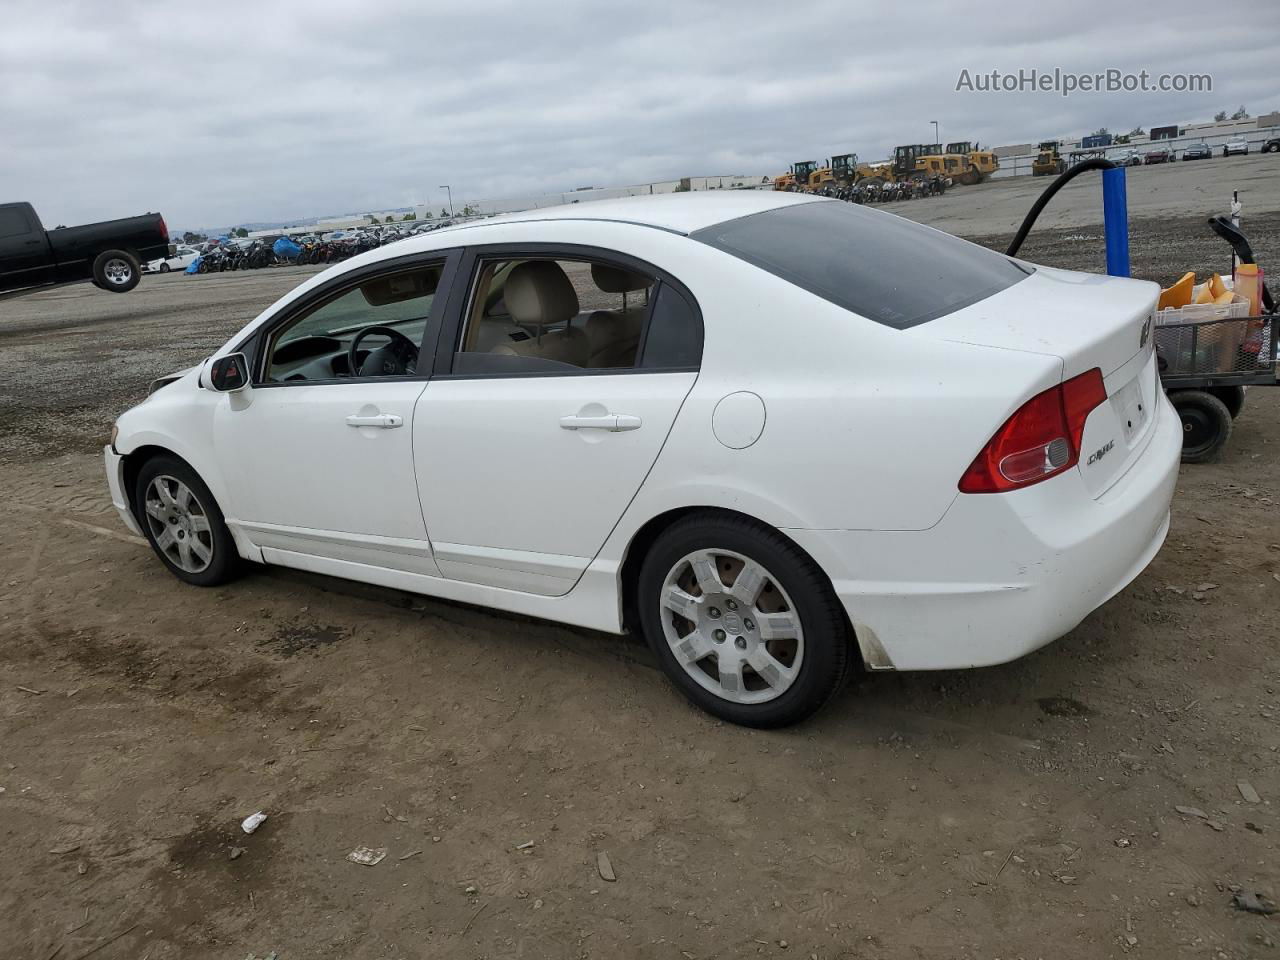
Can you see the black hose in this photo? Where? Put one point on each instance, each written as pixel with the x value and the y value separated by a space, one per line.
pixel 1093 163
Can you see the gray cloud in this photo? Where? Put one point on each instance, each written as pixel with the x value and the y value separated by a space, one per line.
pixel 222 112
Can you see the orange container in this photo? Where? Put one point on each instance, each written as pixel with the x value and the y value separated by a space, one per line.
pixel 1248 284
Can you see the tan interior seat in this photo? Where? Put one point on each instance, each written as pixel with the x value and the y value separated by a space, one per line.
pixel 613 336
pixel 539 295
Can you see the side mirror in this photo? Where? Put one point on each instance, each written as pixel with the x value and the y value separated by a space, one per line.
pixel 230 373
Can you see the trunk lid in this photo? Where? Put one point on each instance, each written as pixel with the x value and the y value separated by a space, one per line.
pixel 1086 320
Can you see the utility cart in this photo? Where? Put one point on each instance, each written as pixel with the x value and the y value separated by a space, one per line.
pixel 1206 364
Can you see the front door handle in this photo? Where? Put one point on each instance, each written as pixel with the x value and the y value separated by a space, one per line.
pixel 384 420
pixel 613 422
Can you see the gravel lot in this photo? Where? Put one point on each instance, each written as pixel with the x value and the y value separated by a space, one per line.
pixel 1023 811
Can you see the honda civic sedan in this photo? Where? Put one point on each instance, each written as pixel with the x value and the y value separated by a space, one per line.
pixel 781 436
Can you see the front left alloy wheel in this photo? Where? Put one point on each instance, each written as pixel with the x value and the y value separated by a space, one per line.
pixel 743 622
pixel 183 523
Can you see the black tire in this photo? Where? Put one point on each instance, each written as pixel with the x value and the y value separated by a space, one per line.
pixel 117 271
pixel 1206 424
pixel 827 644
pixel 224 564
pixel 1232 398
pixel 164 268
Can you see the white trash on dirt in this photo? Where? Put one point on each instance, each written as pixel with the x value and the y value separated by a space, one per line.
pixel 253 822
pixel 367 856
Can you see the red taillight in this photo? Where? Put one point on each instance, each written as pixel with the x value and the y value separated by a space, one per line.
pixel 1040 440
pixel 164 229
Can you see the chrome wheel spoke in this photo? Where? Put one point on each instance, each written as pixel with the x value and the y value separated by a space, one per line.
pixel 750 581
pixel 185 557
pixel 692 648
pixel 730 668
pixel 678 601
pixel 166 538
pixel 200 523
pixel 770 669
pixel 777 626
pixel 157 511
pixel 202 551
pixel 704 570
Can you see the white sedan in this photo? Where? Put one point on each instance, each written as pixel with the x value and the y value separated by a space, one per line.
pixel 179 261
pixel 779 435
pixel 1236 148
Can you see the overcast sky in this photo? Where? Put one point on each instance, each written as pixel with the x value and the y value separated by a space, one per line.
pixel 222 112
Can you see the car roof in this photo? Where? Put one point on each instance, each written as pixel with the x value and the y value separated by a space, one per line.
pixel 674 212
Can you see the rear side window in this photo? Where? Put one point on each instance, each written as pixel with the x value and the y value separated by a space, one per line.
pixel 887 269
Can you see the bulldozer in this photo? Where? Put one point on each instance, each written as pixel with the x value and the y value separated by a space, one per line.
pixel 842 170
pixel 798 177
pixel 983 162
pixel 1048 161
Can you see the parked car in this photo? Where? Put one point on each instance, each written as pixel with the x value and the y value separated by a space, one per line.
pixel 739 422
pixel 1272 145
pixel 1159 155
pixel 1236 148
pixel 109 253
pixel 1197 151
pixel 1131 158
pixel 180 260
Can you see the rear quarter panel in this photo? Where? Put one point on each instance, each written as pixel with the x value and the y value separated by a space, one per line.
pixel 865 427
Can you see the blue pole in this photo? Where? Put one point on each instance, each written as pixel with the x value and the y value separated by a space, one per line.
pixel 1115 221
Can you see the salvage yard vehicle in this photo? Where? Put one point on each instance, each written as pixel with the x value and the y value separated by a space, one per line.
pixel 180 260
pixel 1159 155
pixel 1236 148
pixel 1197 151
pixel 1049 160
pixel 109 253
pixel 745 424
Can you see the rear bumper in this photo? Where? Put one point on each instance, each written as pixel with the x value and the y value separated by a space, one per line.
pixel 1001 575
pixel 114 464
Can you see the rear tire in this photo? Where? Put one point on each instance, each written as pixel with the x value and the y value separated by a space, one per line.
pixel 183 523
pixel 1206 424
pixel 117 271
pixel 790 625
pixel 164 268
pixel 1232 398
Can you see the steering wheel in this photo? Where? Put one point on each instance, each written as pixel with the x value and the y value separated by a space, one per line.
pixel 395 359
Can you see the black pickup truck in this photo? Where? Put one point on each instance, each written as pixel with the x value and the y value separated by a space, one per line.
pixel 109 253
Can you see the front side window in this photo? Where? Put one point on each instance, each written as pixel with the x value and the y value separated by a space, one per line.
pixel 890 270
pixel 370 330
pixel 530 315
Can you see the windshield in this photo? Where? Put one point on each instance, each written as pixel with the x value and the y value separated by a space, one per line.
pixel 890 270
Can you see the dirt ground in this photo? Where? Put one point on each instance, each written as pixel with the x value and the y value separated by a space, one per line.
pixel 1024 811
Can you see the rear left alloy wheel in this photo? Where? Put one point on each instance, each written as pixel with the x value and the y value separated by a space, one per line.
pixel 183 523
pixel 743 622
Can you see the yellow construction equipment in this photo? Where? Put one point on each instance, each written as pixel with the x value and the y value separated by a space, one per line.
pixel 797 178
pixel 1048 161
pixel 983 162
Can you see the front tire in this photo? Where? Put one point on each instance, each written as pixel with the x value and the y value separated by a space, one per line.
pixel 183 523
pixel 1206 424
pixel 164 268
pixel 743 622
pixel 117 271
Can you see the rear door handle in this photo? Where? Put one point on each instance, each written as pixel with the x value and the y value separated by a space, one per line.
pixel 613 422
pixel 384 420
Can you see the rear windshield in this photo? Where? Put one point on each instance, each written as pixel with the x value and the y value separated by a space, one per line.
pixel 887 269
